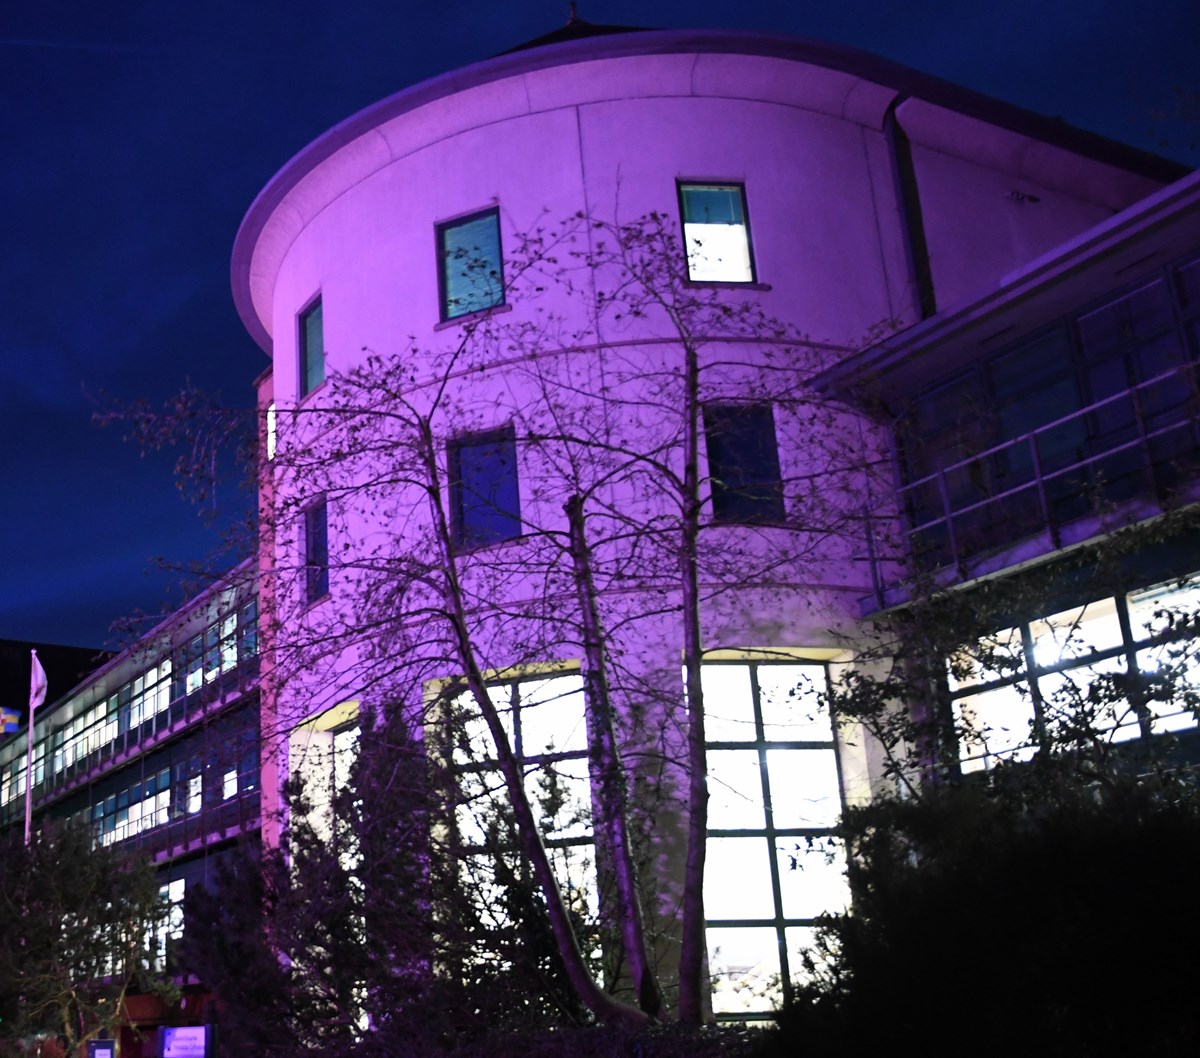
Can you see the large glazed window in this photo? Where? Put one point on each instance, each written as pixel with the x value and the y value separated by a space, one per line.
pixel 1064 678
pixel 716 234
pixel 312 347
pixel 743 463
pixel 470 265
pixel 484 494
pixel 544 721
pixel 773 862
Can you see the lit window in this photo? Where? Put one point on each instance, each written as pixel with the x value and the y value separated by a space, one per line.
pixel 743 463
pixel 484 496
pixel 715 233
pixel 312 348
pixel 272 430
pixel 774 863
pixel 229 784
pixel 316 552
pixel 470 268
pixel 195 794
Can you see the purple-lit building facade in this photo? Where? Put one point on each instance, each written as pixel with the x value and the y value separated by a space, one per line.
pixel 157 749
pixel 939 254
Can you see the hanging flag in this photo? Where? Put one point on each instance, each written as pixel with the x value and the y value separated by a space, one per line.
pixel 37 684
pixel 10 721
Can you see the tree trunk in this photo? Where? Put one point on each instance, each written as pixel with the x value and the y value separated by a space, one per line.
pixel 607 773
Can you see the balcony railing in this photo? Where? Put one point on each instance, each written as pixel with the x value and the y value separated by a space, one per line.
pixel 1140 446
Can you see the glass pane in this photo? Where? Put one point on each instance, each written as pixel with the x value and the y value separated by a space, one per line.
pixel 737 879
pixel 728 703
pixel 560 794
pixel 744 964
pixel 804 787
pixel 552 715
pixel 1178 666
pixel 1156 611
pixel 994 723
pixel 1083 703
pixel 812 878
pixel 993 657
pixel 575 869
pixel 472 270
pixel 1076 633
pixel 716 237
pixel 482 809
pixel 735 794
pixel 790 699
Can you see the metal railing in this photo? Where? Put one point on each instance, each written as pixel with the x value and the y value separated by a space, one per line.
pixel 1142 444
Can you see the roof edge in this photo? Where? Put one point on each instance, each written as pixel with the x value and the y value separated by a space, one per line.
pixel 836 57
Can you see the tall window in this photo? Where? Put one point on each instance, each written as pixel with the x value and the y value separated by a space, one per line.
pixel 470 266
pixel 484 496
pixel 716 234
pixel 544 719
pixel 774 863
pixel 316 551
pixel 312 348
pixel 743 463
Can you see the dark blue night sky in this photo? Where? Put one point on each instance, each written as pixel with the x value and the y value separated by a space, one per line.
pixel 134 135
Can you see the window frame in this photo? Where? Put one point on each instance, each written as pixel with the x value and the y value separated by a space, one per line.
pixel 473 305
pixel 464 537
pixel 682 187
pixel 316 559
pixel 731 501
pixel 304 360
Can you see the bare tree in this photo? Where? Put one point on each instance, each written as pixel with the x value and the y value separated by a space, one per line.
pixel 624 555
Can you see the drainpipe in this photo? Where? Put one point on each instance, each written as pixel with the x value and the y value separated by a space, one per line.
pixel 912 227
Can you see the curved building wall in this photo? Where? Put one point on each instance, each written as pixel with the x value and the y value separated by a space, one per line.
pixel 848 182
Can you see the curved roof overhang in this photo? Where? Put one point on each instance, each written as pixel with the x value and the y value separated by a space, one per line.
pixel 899 80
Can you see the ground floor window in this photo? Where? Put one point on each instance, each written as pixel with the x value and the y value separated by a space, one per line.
pixel 545 723
pixel 774 864
pixel 1058 677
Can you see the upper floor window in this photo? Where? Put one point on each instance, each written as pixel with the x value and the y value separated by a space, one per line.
pixel 484 495
pixel 743 463
pixel 716 234
pixel 470 266
pixel 316 551
pixel 312 348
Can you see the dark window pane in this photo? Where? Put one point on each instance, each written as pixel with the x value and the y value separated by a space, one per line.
pixel 743 463
pixel 316 552
pixel 471 273
pixel 312 348
pixel 712 205
pixel 485 498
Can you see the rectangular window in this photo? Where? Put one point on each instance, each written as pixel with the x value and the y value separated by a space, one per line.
pixel 484 496
pixel 316 552
pixel 470 267
pixel 716 234
pixel 312 348
pixel 743 463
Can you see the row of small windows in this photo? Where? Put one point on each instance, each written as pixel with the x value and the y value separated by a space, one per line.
pixel 485 504
pixel 716 234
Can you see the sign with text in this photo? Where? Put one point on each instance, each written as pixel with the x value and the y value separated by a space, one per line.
pixel 102 1049
pixel 190 1041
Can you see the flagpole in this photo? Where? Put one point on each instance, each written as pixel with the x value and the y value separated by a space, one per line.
pixel 37 695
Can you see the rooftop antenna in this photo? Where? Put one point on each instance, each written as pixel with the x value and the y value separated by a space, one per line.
pixel 572 18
